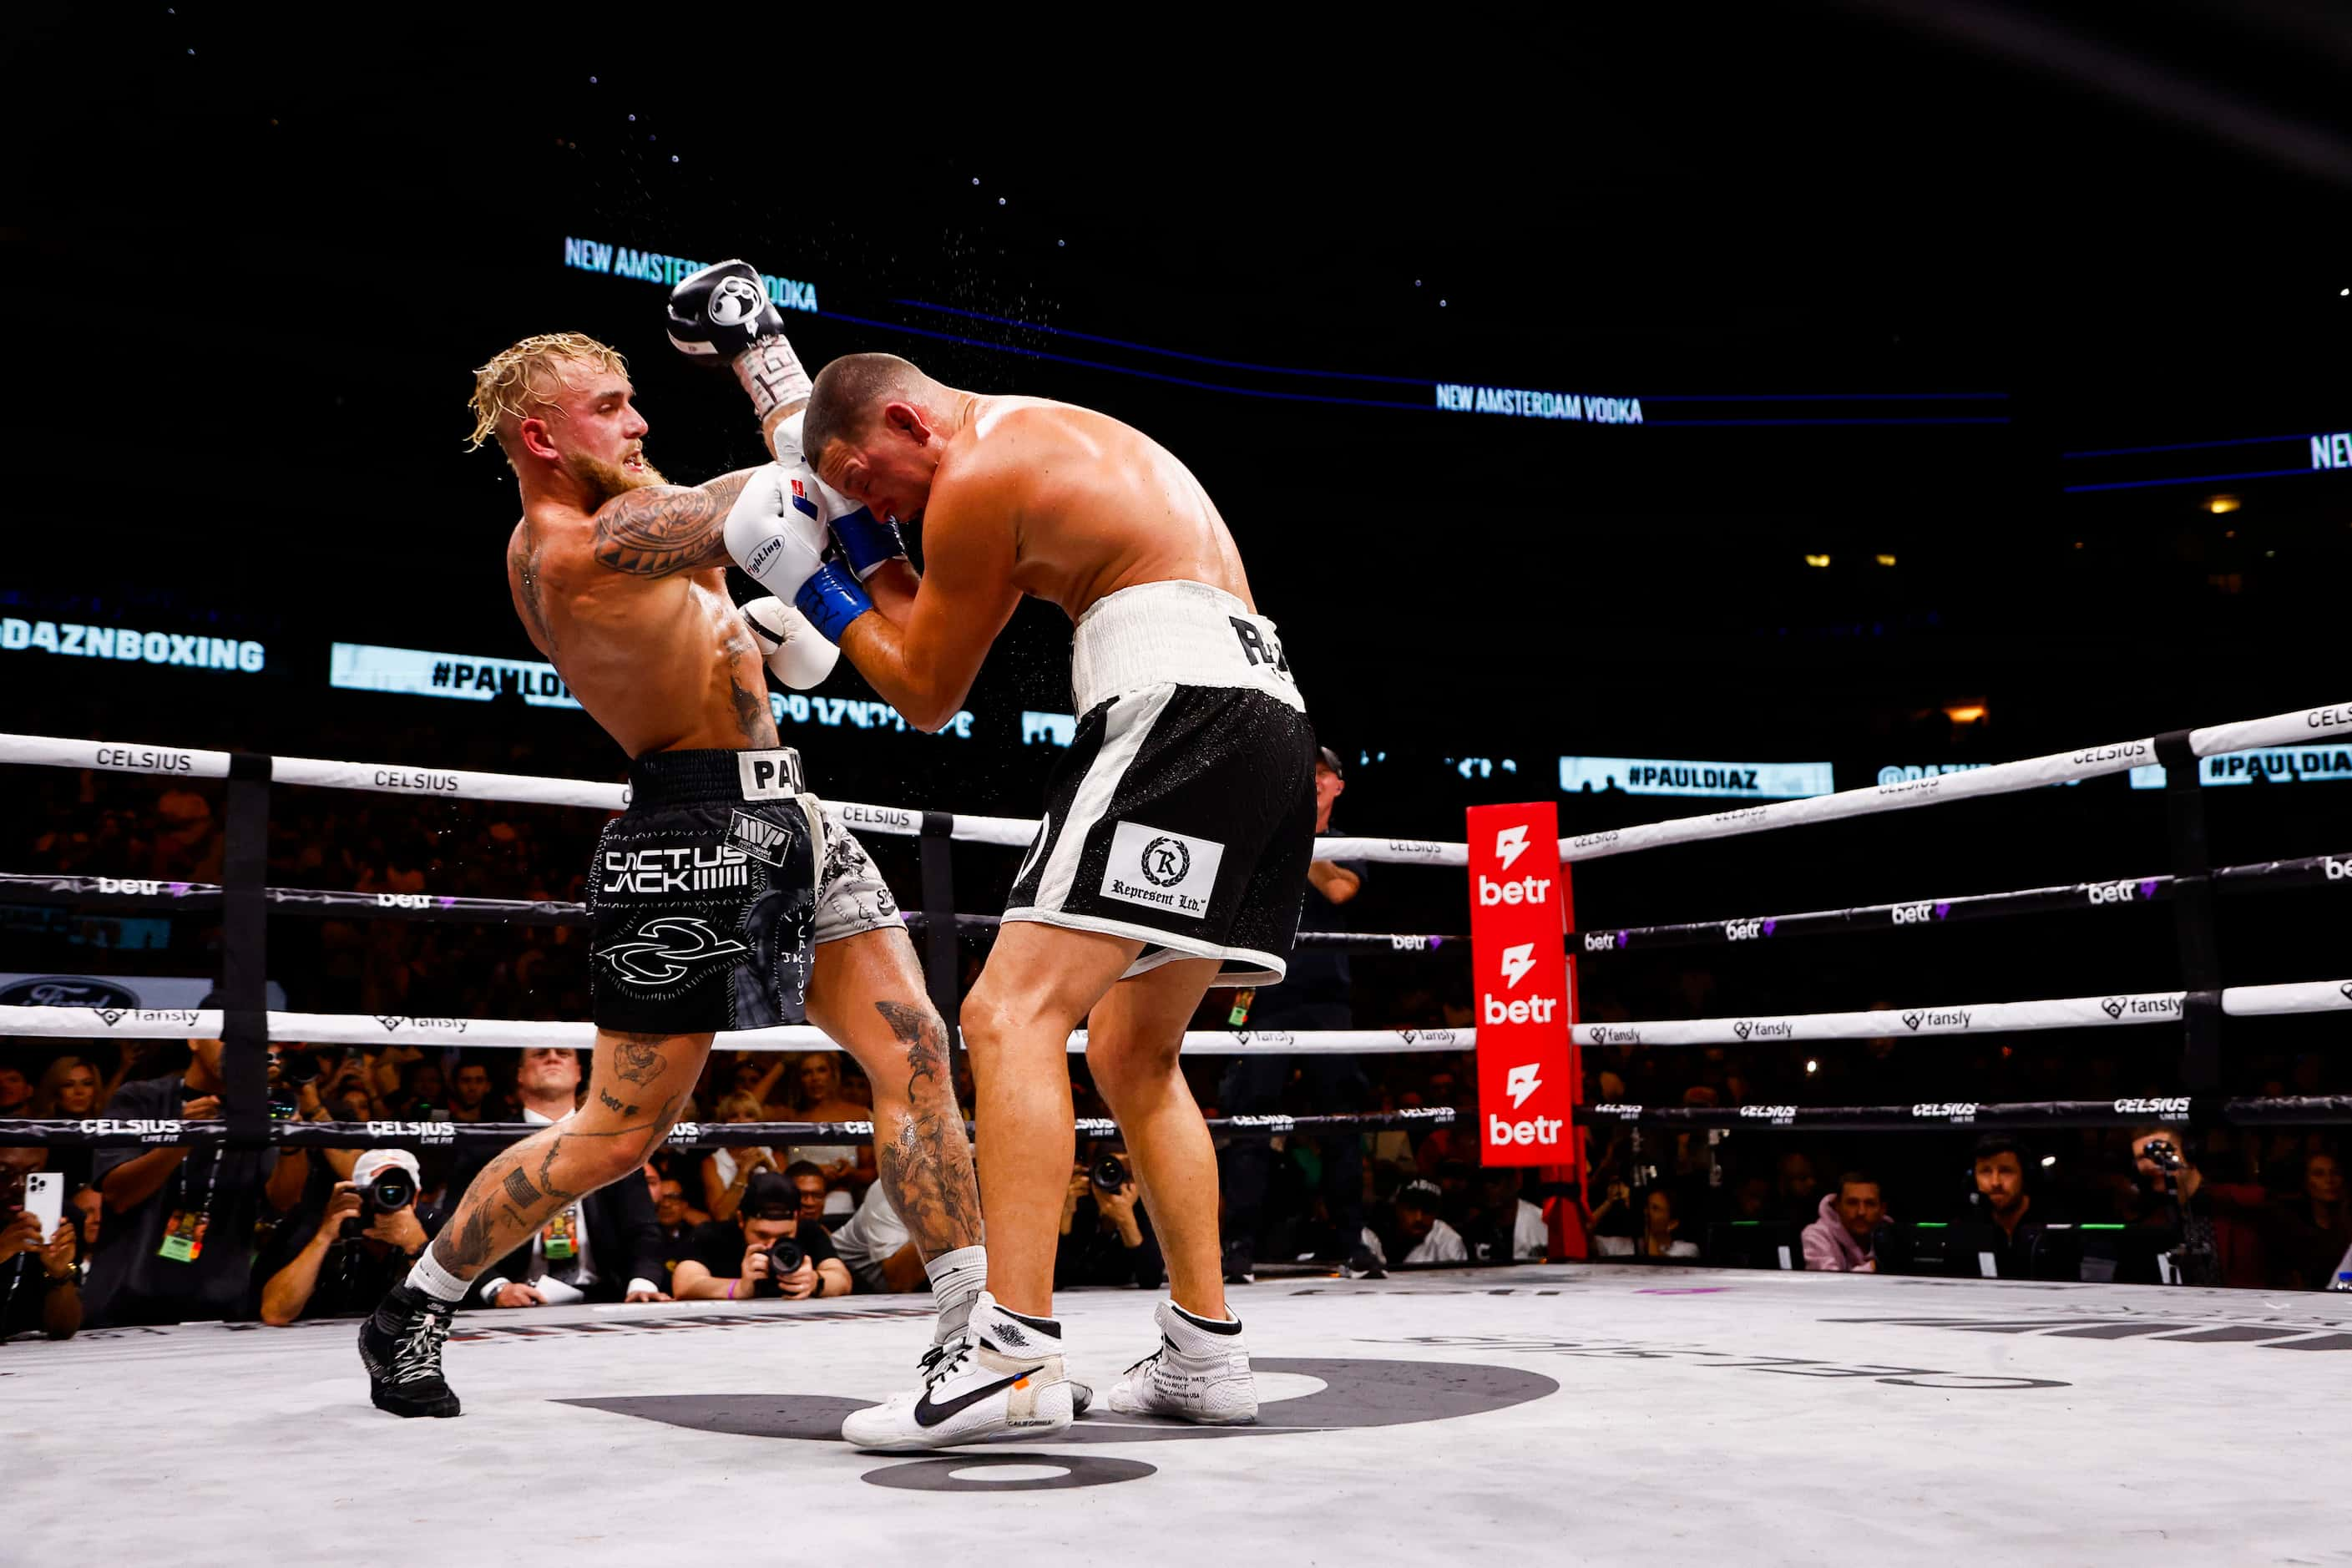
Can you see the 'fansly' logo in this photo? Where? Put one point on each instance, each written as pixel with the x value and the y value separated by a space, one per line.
pixel 392 1023
pixel 1772 1029
pixel 1954 1018
pixel 1166 861
pixel 2139 1006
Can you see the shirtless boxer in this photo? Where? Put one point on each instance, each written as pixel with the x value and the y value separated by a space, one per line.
pixel 726 896
pixel 1175 844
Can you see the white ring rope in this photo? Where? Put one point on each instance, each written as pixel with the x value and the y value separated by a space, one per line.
pixel 503 1033
pixel 2059 767
pixel 2124 1008
pixel 457 783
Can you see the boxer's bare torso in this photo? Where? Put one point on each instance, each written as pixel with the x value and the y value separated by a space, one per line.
pixel 1084 505
pixel 630 604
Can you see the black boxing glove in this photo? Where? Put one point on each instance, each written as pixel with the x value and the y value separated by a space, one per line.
pixel 723 312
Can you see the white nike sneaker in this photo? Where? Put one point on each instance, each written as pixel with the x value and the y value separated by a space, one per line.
pixel 1002 1378
pixel 1201 1372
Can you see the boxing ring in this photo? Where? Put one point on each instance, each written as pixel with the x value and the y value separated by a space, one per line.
pixel 1545 1414
pixel 1598 1411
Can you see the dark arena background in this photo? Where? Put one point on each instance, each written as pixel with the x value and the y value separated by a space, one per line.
pixel 1757 419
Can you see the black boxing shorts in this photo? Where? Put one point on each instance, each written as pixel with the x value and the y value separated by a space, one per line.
pixel 1183 813
pixel 702 897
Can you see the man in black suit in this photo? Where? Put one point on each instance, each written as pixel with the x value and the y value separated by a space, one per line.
pixel 606 1246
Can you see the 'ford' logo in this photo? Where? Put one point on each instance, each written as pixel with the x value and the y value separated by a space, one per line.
pixel 67 991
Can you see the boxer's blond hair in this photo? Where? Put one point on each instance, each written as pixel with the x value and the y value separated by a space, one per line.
pixel 522 378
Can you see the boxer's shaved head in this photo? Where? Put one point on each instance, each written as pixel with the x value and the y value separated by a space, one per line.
pixel 848 392
pixel 869 431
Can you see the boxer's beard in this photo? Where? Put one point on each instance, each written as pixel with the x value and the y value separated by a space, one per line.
pixel 604 481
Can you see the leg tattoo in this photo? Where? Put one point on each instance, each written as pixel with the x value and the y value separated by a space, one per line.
pixel 504 1205
pixel 635 1058
pixel 926 1168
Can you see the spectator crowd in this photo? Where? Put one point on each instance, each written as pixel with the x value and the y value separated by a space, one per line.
pixel 164 1234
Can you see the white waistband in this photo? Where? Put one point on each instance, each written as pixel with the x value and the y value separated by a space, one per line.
pixel 1176 632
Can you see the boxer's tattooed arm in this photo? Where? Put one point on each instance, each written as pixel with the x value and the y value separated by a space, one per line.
pixel 926 1166
pixel 663 528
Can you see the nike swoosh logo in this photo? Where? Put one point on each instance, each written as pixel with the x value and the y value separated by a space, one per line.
pixel 929 1415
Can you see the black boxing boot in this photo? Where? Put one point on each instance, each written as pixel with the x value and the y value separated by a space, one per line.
pixel 400 1345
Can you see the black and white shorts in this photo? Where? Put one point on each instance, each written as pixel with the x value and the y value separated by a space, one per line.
pixel 711 893
pixel 1183 816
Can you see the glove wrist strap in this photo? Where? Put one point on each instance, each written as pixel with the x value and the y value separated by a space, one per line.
pixel 771 373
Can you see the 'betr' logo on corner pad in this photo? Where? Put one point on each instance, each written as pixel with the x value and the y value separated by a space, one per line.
pixel 1523 1081
pixel 1510 843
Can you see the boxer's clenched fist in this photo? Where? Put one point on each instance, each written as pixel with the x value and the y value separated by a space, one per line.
pixel 775 531
pixel 793 651
pixel 723 313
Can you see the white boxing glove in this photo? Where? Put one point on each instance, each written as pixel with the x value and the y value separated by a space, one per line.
pixel 784 440
pixel 776 529
pixel 798 656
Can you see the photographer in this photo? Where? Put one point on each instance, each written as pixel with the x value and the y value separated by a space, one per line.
pixel 2218 1223
pixel 360 1244
pixel 1106 1236
pixel 178 1240
pixel 40 1287
pixel 765 1251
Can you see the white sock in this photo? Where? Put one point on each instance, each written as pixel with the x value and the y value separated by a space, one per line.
pixel 436 1281
pixel 957 1278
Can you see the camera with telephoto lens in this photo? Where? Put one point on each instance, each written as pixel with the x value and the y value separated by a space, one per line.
pixel 2159 1153
pixel 784 1257
pixel 1108 1174
pixel 394 1188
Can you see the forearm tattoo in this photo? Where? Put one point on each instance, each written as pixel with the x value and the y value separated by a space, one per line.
pixel 662 529
pixel 926 1162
